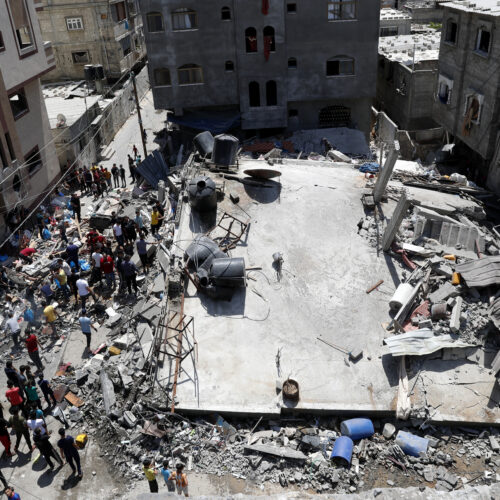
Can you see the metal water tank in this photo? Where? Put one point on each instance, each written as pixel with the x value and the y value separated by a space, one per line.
pixel 202 249
pixel 225 150
pixel 89 71
pixel 202 194
pixel 99 72
pixel 228 272
pixel 204 143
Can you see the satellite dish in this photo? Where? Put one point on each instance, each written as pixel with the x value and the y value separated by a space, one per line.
pixel 61 120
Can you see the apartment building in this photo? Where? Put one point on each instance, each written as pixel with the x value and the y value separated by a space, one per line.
pixel 99 32
pixel 27 157
pixel 273 63
pixel 467 102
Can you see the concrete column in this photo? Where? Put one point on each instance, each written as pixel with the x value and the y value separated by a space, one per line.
pixel 397 217
pixel 386 172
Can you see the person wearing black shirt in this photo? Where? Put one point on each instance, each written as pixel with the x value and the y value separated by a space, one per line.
pixel 76 206
pixel 122 175
pixel 42 442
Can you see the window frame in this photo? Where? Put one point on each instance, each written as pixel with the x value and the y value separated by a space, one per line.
pixel 162 84
pixel 27 50
pixel 443 80
pixel 38 166
pixel 480 99
pixel 288 5
pixel 73 52
pixel 389 28
pixel 2 43
pixel 340 4
pixel 180 14
pixel 272 38
pixel 292 60
pixel 26 108
pixel 189 68
pixel 447 29
pixel 480 30
pixel 155 14
pixel 271 91
pixel 226 64
pixel 68 19
pixel 248 43
pixel 341 59
pixel 224 10
pixel 256 85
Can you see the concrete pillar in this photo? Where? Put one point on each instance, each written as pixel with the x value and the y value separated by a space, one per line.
pixel 397 217
pixel 386 172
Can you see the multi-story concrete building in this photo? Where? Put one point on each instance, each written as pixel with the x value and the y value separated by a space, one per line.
pixel 467 100
pixel 277 63
pixel 105 32
pixel 394 22
pixel 27 155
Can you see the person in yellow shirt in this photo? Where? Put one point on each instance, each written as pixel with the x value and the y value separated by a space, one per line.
pixel 156 217
pixel 63 281
pixel 50 315
pixel 150 472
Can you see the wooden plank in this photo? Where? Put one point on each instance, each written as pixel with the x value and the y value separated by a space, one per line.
pixel 74 399
pixel 376 285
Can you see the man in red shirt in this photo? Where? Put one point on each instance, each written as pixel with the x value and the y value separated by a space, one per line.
pixel 33 350
pixel 14 397
pixel 26 254
pixel 108 269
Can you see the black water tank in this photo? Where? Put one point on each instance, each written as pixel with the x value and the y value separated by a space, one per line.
pixel 99 72
pixel 89 71
pixel 202 194
pixel 225 150
pixel 204 143
pixel 201 250
pixel 228 272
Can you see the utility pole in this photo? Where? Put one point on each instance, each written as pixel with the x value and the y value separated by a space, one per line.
pixel 132 75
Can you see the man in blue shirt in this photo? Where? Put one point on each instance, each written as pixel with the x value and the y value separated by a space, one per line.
pixel 69 451
pixel 86 326
pixel 72 253
pixel 130 274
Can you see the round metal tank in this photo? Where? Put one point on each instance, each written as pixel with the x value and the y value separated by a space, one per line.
pixel 204 143
pixel 89 71
pixel 228 272
pixel 99 72
pixel 225 150
pixel 201 249
pixel 202 194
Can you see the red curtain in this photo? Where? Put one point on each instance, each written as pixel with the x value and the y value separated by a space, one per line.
pixel 268 40
pixel 265 7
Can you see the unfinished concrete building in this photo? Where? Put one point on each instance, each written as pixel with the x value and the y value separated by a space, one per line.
pixel 406 79
pixel 27 157
pixel 107 33
pixel 259 61
pixel 468 88
pixel 394 22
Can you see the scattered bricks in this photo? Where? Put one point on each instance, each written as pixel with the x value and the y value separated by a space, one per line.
pixel 455 316
pixel 388 431
pixel 495 446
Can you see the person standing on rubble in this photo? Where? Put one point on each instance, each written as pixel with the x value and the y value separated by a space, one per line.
pixel 150 472
pixel 72 256
pixel 69 451
pixel 83 290
pixel 51 316
pixel 139 222
pixel 32 393
pixel 12 374
pixel 130 274
pixel 76 206
pixel 118 232
pixel 47 391
pixel 15 329
pixel 129 231
pixel 96 267
pixel 123 175
pixel 33 346
pixel 62 278
pixel 119 261
pixel 181 481
pixel 155 221
pixel 131 167
pixel 142 250
pixel 86 326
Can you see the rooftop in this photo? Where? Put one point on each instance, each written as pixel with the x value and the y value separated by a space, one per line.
pixel 491 7
pixel 411 49
pixel 393 14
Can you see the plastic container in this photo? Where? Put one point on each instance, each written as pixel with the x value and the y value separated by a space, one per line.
pixel 450 257
pixel 455 279
pixel 202 194
pixel 357 428
pixel 401 295
pixel 342 449
pixel 412 445
pixel 225 150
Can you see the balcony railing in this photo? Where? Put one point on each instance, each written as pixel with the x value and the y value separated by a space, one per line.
pixel 129 60
pixel 122 28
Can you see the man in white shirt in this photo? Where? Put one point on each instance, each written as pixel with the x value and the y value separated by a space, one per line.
pixel 118 232
pixel 15 329
pixel 83 290
pixel 96 267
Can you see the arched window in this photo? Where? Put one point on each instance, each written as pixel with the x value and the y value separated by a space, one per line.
pixel 184 19
pixel 271 93
pixel 269 45
pixel 225 14
pixel 340 65
pixel 190 74
pixel 162 76
pixel 254 94
pixel 229 66
pixel 334 116
pixel 251 39
pixel 451 31
pixel 292 63
pixel 155 21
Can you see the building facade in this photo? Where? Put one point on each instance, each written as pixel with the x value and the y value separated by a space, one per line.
pixel 394 22
pixel 279 64
pixel 98 32
pixel 467 102
pixel 27 155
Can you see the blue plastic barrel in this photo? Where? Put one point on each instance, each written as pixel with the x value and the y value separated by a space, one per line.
pixel 357 428
pixel 343 448
pixel 411 444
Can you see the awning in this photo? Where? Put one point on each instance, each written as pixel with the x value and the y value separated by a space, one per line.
pixel 216 122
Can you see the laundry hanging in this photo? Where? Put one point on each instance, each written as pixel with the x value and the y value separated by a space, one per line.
pixel 265 7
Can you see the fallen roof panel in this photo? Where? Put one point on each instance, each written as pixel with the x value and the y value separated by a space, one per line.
pixel 480 273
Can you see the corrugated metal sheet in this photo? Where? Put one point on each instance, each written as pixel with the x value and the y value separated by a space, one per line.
pixel 153 169
pixel 480 273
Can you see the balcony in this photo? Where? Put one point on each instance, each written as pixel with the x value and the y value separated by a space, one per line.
pixel 129 60
pixel 122 28
pixel 49 53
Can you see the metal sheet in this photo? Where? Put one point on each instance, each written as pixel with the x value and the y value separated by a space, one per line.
pixel 153 169
pixel 480 273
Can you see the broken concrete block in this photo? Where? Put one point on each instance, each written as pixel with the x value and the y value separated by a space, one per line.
pixel 443 292
pixel 389 430
pixel 124 341
pixel 278 451
pixel 108 392
pixel 455 316
pixel 495 446
pixel 312 441
pixel 127 380
pixel 97 361
pixel 426 323
pixel 81 377
pixel 129 419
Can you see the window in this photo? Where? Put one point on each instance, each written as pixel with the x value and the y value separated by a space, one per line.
pixel 334 116
pixel 472 110
pixel 254 94
pixel 125 44
pixel 291 8
pixel 451 32
pixel 18 104
pixel 74 23
pixel 225 14
pixel 120 11
pixel 162 76
pixel 2 45
pixel 16 183
pixel 293 112
pixel 184 19
pixel 10 147
pixel 269 44
pixel 33 161
pixel 155 22
pixel 389 31
pixel 229 66
pixel 271 93
pixel 445 86
pixel 3 158
pixel 292 63
pixel 190 74
pixel 483 40
pixel 251 40
pixel 340 66
pixel 80 57
pixel 21 23
pixel 341 10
